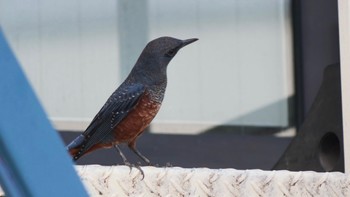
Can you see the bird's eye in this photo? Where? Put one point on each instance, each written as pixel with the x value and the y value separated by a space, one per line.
pixel 171 53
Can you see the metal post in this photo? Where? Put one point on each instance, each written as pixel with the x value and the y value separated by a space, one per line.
pixel 33 160
pixel 344 39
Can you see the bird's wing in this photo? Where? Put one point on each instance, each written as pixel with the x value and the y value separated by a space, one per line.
pixel 114 110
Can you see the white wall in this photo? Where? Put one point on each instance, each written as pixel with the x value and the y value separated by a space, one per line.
pixel 77 52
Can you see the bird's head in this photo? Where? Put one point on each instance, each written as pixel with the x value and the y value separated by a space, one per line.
pixel 159 52
pixel 165 48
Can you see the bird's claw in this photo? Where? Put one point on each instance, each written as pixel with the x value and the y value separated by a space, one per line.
pixel 137 166
pixel 142 173
pixel 129 165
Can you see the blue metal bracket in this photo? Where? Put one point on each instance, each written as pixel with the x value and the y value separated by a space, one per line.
pixel 33 160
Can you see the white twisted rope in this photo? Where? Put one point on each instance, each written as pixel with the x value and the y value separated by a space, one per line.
pixel 175 181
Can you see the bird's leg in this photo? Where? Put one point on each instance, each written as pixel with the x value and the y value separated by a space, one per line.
pixel 122 156
pixel 127 163
pixel 132 146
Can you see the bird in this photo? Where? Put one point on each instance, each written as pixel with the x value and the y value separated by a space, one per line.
pixel 133 105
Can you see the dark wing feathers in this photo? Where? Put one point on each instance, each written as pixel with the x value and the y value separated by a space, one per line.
pixel 114 110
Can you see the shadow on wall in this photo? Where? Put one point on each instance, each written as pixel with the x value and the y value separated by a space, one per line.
pixel 212 150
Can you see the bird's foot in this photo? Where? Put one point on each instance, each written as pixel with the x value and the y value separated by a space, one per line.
pixel 129 165
pixel 138 166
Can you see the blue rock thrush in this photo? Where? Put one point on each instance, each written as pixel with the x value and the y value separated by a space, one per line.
pixel 131 108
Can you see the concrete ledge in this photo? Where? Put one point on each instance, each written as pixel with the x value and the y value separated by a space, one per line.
pixel 176 181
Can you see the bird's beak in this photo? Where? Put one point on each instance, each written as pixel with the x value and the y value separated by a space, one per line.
pixel 188 41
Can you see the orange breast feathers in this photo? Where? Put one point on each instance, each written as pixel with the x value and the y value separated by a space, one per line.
pixel 137 120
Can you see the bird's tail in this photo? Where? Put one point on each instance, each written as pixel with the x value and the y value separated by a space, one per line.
pixel 74 147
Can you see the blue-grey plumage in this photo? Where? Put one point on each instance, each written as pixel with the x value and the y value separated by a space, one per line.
pixel 131 108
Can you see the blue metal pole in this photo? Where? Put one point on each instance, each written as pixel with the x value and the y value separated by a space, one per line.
pixel 33 160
